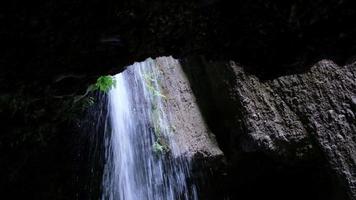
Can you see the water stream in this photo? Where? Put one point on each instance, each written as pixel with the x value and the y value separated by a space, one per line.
pixel 140 161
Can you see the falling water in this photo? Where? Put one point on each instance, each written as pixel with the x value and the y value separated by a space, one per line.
pixel 141 154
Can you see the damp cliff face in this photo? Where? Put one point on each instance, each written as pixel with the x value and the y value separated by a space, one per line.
pixel 149 139
pixel 293 119
pixel 193 137
pixel 154 131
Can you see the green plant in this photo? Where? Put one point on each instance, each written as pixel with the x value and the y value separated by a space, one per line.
pixel 152 83
pixel 149 82
pixel 104 83
pixel 158 147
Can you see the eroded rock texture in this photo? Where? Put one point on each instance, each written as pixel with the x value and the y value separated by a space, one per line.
pixel 191 132
pixel 324 100
pixel 290 118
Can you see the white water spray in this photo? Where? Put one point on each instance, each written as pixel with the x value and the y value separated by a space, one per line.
pixel 141 161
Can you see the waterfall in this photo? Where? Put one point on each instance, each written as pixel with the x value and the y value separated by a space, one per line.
pixel 142 159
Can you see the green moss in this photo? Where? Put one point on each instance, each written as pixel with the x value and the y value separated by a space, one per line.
pixel 160 147
pixel 104 83
pixel 152 83
pixel 149 82
pixel 157 147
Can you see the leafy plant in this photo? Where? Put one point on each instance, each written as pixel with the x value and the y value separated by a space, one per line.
pixel 149 82
pixel 104 83
pixel 158 147
pixel 152 83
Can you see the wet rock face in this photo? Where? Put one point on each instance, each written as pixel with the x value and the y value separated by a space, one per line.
pixel 323 101
pixel 193 137
pixel 293 119
pixel 270 124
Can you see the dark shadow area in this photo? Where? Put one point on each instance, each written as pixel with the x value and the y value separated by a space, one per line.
pixel 271 38
pixel 42 154
pixel 256 176
pixel 55 157
pixel 250 175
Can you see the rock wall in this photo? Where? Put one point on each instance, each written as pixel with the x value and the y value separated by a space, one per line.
pixel 193 137
pixel 324 100
pixel 292 118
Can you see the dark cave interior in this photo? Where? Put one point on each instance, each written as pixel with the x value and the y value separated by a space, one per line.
pixel 51 50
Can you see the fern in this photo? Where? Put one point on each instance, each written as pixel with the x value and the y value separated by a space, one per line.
pixel 104 83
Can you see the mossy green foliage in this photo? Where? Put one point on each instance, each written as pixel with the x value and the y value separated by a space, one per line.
pixel 157 147
pixel 160 147
pixel 152 83
pixel 104 83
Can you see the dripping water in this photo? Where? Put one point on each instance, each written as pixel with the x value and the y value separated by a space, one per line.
pixel 140 161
